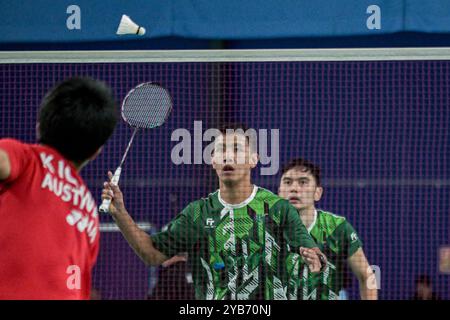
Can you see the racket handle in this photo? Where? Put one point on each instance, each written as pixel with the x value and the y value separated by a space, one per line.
pixel 104 207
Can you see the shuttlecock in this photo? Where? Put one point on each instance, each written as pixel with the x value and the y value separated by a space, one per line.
pixel 127 26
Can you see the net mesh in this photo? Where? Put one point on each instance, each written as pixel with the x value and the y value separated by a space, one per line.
pixel 146 106
pixel 379 130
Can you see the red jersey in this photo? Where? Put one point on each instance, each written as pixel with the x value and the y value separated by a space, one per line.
pixel 49 235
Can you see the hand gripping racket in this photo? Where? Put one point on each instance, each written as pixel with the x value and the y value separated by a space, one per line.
pixel 147 106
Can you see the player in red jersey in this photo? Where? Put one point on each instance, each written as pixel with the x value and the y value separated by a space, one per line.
pixel 49 233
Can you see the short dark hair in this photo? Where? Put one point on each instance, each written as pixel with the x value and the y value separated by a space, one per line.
pixel 305 166
pixel 234 126
pixel 77 117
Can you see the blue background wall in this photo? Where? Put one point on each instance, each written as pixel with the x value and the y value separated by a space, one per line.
pixel 177 24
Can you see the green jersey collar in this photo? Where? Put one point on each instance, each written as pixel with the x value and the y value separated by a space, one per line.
pixel 239 205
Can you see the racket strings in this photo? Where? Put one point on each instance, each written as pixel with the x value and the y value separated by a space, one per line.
pixel 147 106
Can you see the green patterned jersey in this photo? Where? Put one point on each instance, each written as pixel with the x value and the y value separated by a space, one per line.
pixel 337 239
pixel 244 251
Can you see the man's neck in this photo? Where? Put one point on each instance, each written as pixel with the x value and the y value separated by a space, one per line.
pixel 236 193
pixel 307 216
pixel 78 165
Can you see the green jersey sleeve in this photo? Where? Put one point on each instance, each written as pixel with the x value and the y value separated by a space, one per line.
pixel 350 239
pixel 180 235
pixel 295 232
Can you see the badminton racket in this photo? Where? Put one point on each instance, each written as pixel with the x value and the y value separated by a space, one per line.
pixel 146 106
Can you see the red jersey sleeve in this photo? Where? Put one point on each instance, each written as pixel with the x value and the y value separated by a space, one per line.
pixel 18 154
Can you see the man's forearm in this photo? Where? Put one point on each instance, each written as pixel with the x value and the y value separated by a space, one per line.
pixel 364 273
pixel 138 239
pixel 366 292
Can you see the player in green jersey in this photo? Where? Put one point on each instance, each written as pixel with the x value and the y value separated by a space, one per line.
pixel 243 241
pixel 300 185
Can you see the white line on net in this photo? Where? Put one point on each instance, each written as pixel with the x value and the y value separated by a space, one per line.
pixel 112 56
pixel 112 227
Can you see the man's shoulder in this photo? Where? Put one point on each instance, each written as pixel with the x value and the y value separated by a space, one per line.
pixel 208 203
pixel 330 216
pixel 20 155
pixel 272 199
pixel 211 200
pixel 280 210
pixel 32 150
pixel 331 222
pixel 21 144
pixel 14 143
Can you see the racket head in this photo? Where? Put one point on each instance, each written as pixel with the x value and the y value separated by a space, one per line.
pixel 146 106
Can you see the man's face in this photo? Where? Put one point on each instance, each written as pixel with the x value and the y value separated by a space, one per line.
pixel 232 158
pixel 300 188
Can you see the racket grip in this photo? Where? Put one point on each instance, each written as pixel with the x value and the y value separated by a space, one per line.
pixel 104 207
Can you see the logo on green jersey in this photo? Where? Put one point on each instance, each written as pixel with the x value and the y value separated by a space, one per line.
pixel 209 223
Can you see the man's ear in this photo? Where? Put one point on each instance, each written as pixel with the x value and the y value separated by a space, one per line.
pixel 213 162
pixel 254 158
pixel 214 159
pixel 318 193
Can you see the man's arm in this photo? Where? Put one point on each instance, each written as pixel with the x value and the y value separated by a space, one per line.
pixel 361 269
pixel 138 239
pixel 298 236
pixel 5 165
pixel 14 158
